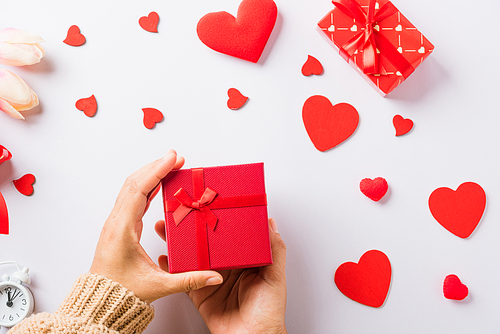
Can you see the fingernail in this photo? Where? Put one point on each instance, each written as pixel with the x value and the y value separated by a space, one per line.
pixel 167 156
pixel 274 227
pixel 214 281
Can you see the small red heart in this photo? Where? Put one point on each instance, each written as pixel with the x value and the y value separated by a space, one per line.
pixel 151 117
pixel 150 22
pixel 458 211
pixel 374 189
pixel 402 125
pixel 366 282
pixel 236 99
pixel 74 37
pixel 312 66
pixel 25 184
pixel 4 216
pixel 87 105
pixel 454 289
pixel 4 154
pixel 245 36
pixel 328 125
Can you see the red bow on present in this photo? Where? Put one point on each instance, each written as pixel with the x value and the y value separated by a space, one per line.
pixel 369 40
pixel 187 205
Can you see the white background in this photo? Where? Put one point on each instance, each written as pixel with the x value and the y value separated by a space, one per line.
pixel 80 163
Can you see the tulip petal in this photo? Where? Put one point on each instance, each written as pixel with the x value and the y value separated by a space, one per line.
pixel 18 54
pixel 6 107
pixel 13 89
pixel 13 35
pixel 32 104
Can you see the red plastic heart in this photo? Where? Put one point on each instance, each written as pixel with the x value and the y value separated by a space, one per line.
pixel 151 117
pixel 454 289
pixel 366 282
pixel 4 154
pixel 25 184
pixel 312 66
pixel 4 216
pixel 374 189
pixel 245 36
pixel 328 125
pixel 236 99
pixel 150 22
pixel 458 211
pixel 74 37
pixel 402 125
pixel 87 105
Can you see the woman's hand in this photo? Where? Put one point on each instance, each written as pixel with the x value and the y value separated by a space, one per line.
pixel 120 257
pixel 249 300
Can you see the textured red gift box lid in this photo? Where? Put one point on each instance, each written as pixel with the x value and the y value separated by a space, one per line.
pixel 241 237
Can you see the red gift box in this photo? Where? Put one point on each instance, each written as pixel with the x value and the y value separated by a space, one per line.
pixel 216 218
pixel 377 40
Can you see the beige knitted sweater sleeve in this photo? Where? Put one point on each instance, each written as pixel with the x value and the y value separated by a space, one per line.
pixel 94 305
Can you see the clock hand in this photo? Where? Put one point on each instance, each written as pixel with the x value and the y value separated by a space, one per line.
pixel 9 301
pixel 16 293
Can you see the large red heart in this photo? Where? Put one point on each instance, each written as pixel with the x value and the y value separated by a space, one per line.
pixel 454 289
pixel 150 22
pixel 74 37
pixel 328 125
pixel 374 189
pixel 151 117
pixel 87 105
pixel 25 184
pixel 402 125
pixel 244 36
pixel 4 216
pixel 236 99
pixel 367 281
pixel 458 211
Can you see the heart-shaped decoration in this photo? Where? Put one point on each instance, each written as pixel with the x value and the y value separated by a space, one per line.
pixel 151 117
pixel 242 37
pixel 4 216
pixel 454 289
pixel 312 66
pixel 74 37
pixel 354 28
pixel 328 125
pixel 88 105
pixel 236 99
pixel 366 282
pixel 4 154
pixel 402 125
pixel 374 189
pixel 398 28
pixel 400 49
pixel 331 28
pixel 25 184
pixel 150 22
pixel 421 50
pixel 458 211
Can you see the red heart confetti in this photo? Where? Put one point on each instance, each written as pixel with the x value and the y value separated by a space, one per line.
pixel 374 189
pixel 74 37
pixel 454 289
pixel 244 37
pixel 4 216
pixel 328 125
pixel 87 105
pixel 236 99
pixel 151 117
pixel 150 22
pixel 312 66
pixel 25 184
pixel 366 282
pixel 458 211
pixel 4 154
pixel 402 125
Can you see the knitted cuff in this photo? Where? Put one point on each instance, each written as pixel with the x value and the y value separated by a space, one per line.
pixel 99 301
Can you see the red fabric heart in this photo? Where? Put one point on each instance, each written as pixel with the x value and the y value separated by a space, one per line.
pixel 328 125
pixel 87 105
pixel 244 36
pixel 374 189
pixel 312 66
pixel 74 37
pixel 151 117
pixel 4 216
pixel 458 211
pixel 236 99
pixel 454 289
pixel 150 22
pixel 4 154
pixel 402 125
pixel 367 281
pixel 25 184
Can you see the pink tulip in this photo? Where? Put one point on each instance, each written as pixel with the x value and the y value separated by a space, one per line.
pixel 19 48
pixel 15 94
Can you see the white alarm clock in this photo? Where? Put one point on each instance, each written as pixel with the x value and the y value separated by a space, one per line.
pixel 16 299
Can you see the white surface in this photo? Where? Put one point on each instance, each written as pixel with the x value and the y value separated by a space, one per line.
pixel 80 162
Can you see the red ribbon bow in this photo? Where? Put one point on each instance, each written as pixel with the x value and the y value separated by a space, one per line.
pixel 369 40
pixel 187 205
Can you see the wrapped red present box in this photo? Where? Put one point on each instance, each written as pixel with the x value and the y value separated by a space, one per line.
pixel 216 218
pixel 377 40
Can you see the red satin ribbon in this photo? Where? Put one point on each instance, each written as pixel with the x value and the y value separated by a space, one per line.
pixel 369 40
pixel 205 201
